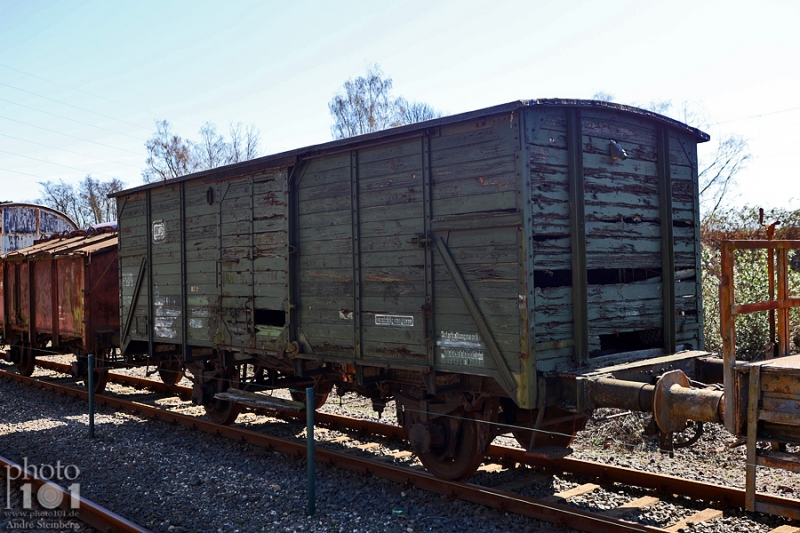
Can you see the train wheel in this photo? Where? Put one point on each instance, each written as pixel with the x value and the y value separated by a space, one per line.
pixel 222 411
pixel 27 359
pixel 170 371
pixel 558 428
pixel 321 391
pixel 100 380
pixel 100 374
pixel 453 450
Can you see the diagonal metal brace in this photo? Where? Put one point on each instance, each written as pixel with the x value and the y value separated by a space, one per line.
pixel 507 380
pixel 126 328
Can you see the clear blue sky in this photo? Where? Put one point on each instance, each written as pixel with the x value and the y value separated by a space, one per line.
pixel 83 82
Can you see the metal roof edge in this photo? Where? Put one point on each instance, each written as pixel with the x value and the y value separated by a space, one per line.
pixel 289 158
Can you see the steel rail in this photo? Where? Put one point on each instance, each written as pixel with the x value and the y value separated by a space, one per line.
pixel 661 483
pixel 562 515
pixel 87 511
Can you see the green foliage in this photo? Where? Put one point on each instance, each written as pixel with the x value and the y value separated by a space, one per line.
pixel 751 280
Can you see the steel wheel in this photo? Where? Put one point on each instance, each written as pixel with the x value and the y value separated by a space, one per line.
pixel 222 411
pixel 321 391
pixel 100 380
pixel 459 454
pixel 169 370
pixel 27 360
pixel 100 374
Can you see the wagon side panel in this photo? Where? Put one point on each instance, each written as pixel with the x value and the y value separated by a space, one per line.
pixel 43 290
pixel 325 249
pixel 476 220
pixel 166 281
pixel 132 219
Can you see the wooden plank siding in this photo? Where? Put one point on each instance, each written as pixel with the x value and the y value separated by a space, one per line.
pixel 622 228
pixel 475 175
pixel 365 271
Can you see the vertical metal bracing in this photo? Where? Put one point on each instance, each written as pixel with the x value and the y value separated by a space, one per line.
pixel 527 317
pixel 7 299
pixel 728 332
pixel 292 253
pixel 252 260
pixel 698 267
pixel 784 330
pixel 32 304
pixel 356 232
pixel 150 303
pixel 184 304
pixel 754 395
pixel 89 342
pixel 577 224
pixel 428 310
pixel 56 340
pixel 667 242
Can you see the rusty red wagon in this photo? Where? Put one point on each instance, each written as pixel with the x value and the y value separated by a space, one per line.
pixel 61 295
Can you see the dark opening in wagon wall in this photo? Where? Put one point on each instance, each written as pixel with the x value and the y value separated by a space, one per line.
pixel 615 224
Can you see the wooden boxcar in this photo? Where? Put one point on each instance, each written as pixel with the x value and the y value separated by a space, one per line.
pixel 454 265
pixel 61 296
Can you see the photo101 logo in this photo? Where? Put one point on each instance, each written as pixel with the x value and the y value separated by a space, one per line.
pixel 49 495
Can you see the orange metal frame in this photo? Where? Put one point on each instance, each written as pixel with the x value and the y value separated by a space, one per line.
pixel 729 308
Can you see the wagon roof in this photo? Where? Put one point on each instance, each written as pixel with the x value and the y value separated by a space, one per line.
pixel 285 159
pixel 76 243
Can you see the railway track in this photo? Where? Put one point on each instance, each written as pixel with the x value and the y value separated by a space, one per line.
pixel 558 508
pixel 74 508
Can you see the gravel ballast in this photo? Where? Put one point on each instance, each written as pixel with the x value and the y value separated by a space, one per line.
pixel 173 479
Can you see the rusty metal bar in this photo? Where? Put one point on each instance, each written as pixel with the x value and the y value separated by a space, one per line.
pixel 88 511
pixel 632 395
pixel 771 275
pixel 783 310
pixel 764 245
pixel 727 327
pixel 744 309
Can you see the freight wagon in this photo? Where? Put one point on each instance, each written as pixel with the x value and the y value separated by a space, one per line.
pixel 61 295
pixel 473 268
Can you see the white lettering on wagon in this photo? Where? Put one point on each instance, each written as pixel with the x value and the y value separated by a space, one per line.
pixel 403 321
pixel 460 349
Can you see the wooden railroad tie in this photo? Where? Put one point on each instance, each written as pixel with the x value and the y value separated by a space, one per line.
pixel 705 515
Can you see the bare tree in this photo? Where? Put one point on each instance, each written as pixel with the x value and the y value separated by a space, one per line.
pixel 367 106
pixel 95 203
pixel 244 144
pixel 212 150
pixel 717 173
pixel 62 197
pixel 87 203
pixel 169 156
pixel 413 112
